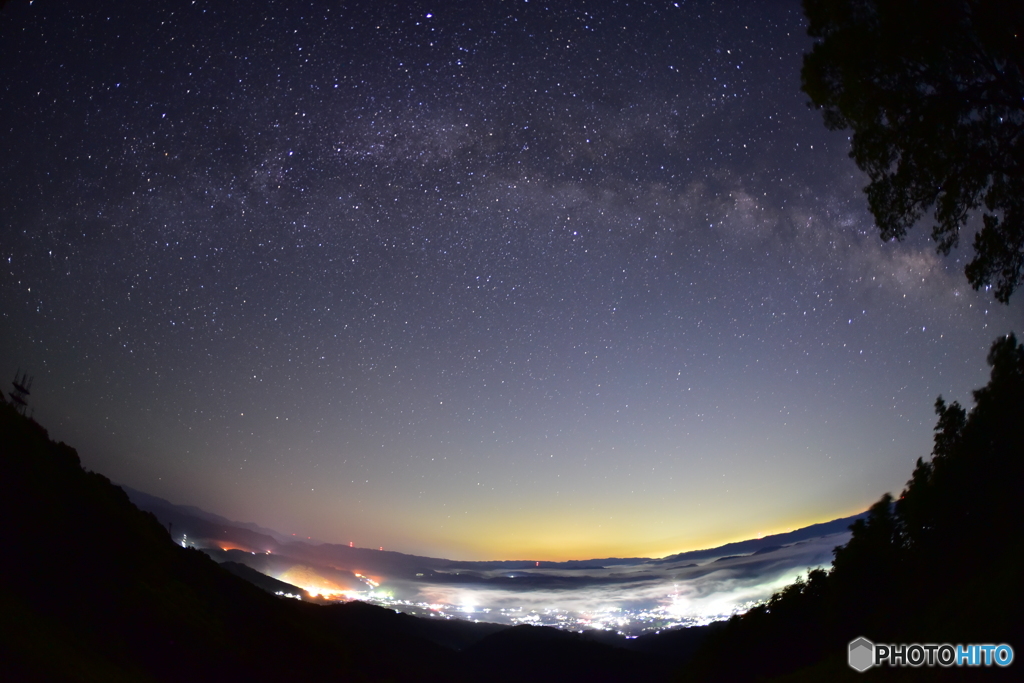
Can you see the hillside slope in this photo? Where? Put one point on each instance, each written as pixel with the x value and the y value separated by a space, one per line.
pixel 94 589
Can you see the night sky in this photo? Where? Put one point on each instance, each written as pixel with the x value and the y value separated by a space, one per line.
pixel 477 280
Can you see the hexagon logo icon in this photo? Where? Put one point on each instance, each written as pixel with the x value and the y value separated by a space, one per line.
pixel 861 654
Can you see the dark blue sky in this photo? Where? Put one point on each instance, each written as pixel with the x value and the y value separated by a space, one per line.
pixel 481 280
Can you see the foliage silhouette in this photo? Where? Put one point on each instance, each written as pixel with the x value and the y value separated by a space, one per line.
pixel 934 94
pixel 941 563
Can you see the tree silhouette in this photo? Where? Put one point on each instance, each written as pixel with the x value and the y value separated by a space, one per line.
pixel 933 91
pixel 969 494
pixel 941 563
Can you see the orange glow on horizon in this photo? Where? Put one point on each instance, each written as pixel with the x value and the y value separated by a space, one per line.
pixel 228 545
pixel 581 542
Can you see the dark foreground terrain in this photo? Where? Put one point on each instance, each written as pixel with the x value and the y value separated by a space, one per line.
pixel 93 589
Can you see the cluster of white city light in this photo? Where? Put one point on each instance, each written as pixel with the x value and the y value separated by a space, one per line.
pixel 630 623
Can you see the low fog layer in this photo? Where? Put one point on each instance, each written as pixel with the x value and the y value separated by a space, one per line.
pixel 634 598
pixel 689 591
pixel 631 596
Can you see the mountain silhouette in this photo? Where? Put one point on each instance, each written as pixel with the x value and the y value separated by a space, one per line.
pixel 97 590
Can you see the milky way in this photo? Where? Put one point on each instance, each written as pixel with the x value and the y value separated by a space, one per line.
pixel 478 280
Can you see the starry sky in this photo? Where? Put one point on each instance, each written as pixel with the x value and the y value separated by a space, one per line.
pixel 479 280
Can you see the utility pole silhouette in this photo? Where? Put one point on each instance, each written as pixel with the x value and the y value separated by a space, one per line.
pixel 22 390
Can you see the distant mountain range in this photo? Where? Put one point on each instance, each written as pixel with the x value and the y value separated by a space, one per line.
pixel 169 512
pixel 101 590
pixel 209 530
pixel 767 543
pixel 97 591
pixel 644 594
